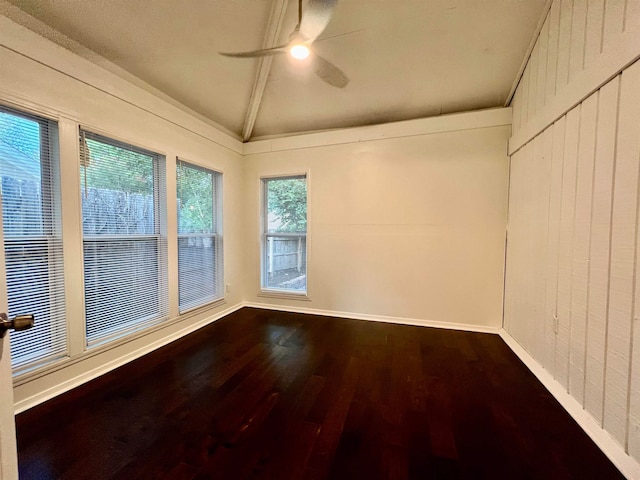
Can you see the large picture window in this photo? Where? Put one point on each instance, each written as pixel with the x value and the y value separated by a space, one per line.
pixel 284 234
pixel 32 237
pixel 124 237
pixel 199 235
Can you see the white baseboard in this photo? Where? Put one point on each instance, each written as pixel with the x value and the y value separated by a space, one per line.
pixel 62 387
pixel 378 318
pixel 629 467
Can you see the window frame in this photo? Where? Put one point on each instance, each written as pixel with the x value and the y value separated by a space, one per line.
pixel 128 329
pixel 264 290
pixel 217 206
pixel 50 240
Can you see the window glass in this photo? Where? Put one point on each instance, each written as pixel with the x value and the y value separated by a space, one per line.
pixel 32 237
pixel 284 258
pixel 199 235
pixel 124 249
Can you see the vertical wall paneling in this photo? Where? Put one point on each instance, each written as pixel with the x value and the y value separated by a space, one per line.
pixel 524 99
pixel 533 79
pixel 633 441
pixel 632 21
pixel 631 15
pixel 550 259
pixel 600 248
pixel 564 44
pixel 515 244
pixel 515 119
pixel 586 43
pixel 553 256
pixel 633 427
pixel 520 304
pixel 578 124
pixel 553 249
pixel 593 34
pixel 512 242
pixel 530 271
pixel 552 50
pixel 581 244
pixel 578 30
pixel 623 238
pixel 543 41
pixel 526 308
pixel 519 242
pixel 565 264
pixel 542 173
pixel 613 21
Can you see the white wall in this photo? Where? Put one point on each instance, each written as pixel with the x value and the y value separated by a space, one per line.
pixel 41 77
pixel 573 214
pixel 405 221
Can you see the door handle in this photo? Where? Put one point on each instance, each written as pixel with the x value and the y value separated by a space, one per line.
pixel 17 323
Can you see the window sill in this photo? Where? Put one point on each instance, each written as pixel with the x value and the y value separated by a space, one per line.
pixel 284 295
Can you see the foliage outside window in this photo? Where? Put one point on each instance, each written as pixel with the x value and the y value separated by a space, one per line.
pixel 123 243
pixel 199 235
pixel 284 242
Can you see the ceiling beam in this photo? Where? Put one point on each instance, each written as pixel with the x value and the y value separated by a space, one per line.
pixel 274 26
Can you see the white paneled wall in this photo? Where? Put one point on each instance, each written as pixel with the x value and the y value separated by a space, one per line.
pixel 572 293
pixel 582 45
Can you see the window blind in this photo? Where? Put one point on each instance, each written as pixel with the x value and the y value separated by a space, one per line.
pixel 124 245
pixel 284 234
pixel 200 255
pixel 32 237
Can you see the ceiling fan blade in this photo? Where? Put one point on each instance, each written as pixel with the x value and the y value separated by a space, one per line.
pixel 256 53
pixel 329 73
pixel 315 17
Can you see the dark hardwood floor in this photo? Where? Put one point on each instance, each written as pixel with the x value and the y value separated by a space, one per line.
pixel 262 394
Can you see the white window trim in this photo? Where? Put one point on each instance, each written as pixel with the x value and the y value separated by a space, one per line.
pixel 274 292
pixel 216 302
pixel 161 218
pixel 54 165
pixel 69 121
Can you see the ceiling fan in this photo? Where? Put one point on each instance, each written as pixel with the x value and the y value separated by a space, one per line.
pixel 311 23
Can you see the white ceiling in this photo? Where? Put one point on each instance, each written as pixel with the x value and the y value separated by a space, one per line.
pixel 405 58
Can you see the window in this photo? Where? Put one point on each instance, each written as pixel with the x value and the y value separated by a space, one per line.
pixel 124 237
pixel 32 237
pixel 199 235
pixel 284 238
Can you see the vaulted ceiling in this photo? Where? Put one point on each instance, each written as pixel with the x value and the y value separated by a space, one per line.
pixel 405 59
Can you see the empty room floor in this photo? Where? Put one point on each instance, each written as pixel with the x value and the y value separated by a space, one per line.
pixel 266 394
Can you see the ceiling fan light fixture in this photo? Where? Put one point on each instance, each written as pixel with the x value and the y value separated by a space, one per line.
pixel 299 51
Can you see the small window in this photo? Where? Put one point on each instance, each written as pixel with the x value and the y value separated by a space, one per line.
pixel 124 245
pixel 284 234
pixel 32 237
pixel 199 235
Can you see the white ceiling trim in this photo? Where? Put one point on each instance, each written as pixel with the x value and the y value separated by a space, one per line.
pixel 274 26
pixel 492 117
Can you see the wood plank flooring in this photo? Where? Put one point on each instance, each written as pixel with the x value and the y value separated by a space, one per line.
pixel 272 395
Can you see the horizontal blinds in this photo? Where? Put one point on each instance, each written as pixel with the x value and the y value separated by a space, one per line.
pixel 285 234
pixel 200 254
pixel 32 237
pixel 125 254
